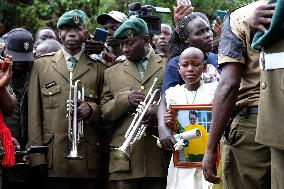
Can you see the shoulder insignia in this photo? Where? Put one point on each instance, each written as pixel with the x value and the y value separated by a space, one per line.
pixel 120 59
pixel 44 55
pixel 94 56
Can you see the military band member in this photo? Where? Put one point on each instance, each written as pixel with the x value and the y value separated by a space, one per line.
pixel 48 125
pixel 121 95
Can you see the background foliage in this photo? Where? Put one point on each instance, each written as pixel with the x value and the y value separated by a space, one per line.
pixel 37 13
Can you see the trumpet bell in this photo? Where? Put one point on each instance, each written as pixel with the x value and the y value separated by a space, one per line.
pixel 73 155
pixel 120 154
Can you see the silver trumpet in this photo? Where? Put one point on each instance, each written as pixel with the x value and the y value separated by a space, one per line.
pixel 75 127
pixel 136 129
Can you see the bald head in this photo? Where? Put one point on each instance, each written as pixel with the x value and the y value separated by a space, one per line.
pixel 47 46
pixel 193 53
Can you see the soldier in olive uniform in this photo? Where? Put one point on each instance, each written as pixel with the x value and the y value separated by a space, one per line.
pixel 245 163
pixel 270 119
pixel 121 95
pixel 48 125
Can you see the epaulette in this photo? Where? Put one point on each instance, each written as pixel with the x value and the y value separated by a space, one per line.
pixel 44 55
pixel 95 57
pixel 120 59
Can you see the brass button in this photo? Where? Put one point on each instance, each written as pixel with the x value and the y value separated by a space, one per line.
pixel 50 93
pixel 263 85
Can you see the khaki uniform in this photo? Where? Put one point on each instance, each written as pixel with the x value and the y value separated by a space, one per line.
pixel 246 164
pixel 48 124
pixel 146 158
pixel 270 128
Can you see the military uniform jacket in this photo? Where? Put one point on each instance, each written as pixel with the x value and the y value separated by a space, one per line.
pixel 270 118
pixel 145 156
pixel 48 124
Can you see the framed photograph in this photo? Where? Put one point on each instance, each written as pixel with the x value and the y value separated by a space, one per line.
pixel 191 118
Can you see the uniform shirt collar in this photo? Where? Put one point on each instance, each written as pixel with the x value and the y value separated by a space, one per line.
pixel 67 55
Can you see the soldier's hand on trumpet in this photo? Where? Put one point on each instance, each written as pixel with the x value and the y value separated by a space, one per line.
pixel 84 110
pixel 135 97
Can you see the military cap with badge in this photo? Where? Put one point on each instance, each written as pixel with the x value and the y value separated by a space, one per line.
pixel 72 18
pixel 19 44
pixel 131 28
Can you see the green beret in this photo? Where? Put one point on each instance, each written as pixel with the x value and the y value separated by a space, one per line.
pixel 131 28
pixel 275 31
pixel 72 18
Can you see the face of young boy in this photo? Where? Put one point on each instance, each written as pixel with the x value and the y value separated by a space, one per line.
pixel 191 67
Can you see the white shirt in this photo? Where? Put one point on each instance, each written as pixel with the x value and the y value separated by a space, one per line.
pixel 191 178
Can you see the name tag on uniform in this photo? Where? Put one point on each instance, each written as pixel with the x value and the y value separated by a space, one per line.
pixel 50 84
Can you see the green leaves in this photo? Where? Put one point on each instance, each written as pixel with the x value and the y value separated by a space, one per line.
pixel 46 12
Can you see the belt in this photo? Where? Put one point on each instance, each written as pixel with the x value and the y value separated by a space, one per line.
pixel 248 111
pixel 271 61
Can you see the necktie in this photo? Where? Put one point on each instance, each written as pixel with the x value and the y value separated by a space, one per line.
pixel 72 61
pixel 141 68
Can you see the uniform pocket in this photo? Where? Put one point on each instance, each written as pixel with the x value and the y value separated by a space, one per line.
pixel 234 132
pixel 48 96
pixel 118 164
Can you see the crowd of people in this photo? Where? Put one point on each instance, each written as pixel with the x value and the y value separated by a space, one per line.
pixel 64 90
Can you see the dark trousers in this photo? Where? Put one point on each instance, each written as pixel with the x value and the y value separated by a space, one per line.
pixel 140 183
pixel 277 168
pixel 71 183
pixel 20 176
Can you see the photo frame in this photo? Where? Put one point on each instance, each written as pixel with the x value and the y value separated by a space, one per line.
pixel 190 118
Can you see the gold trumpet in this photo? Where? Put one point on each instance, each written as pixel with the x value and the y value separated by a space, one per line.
pixel 136 129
